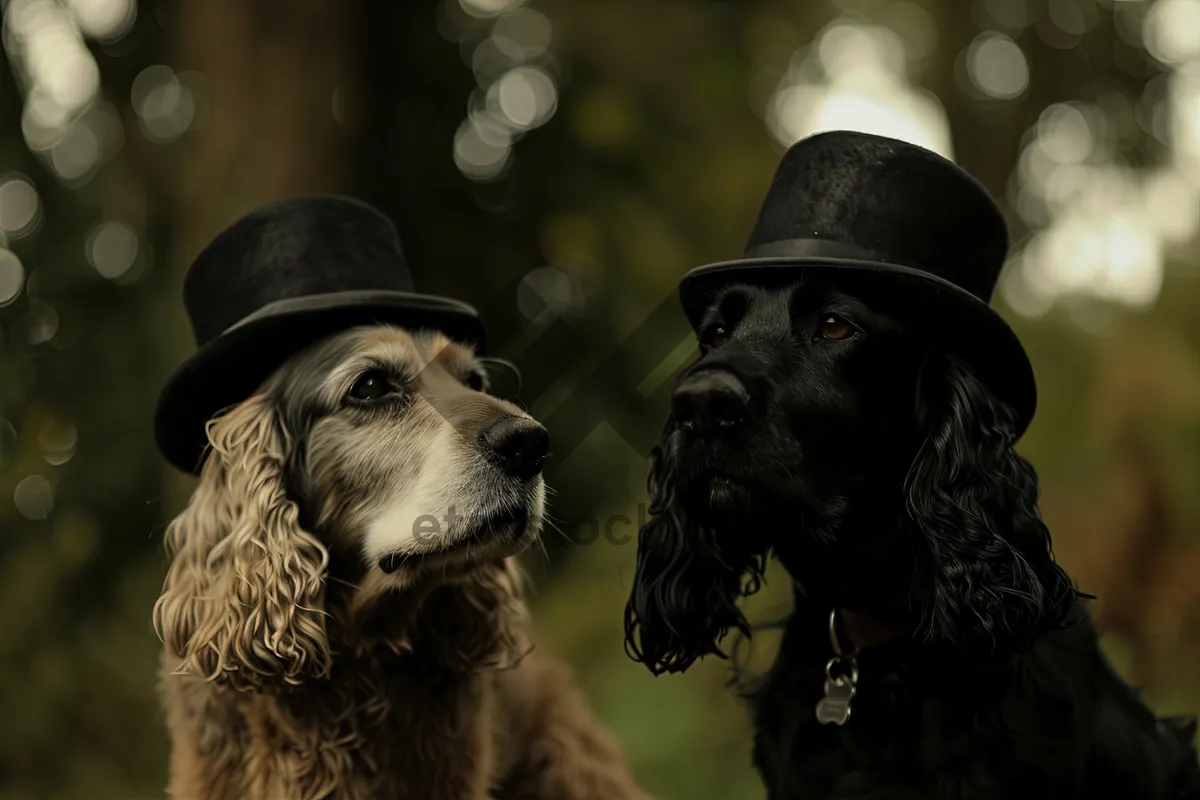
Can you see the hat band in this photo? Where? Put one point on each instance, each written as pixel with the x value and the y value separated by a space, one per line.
pixel 814 248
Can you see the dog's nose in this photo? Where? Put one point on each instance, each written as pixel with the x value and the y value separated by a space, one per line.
pixel 519 445
pixel 709 400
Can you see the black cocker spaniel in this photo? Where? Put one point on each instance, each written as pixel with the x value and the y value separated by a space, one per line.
pixel 936 649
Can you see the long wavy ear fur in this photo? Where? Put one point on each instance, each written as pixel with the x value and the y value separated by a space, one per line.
pixel 973 499
pixel 243 600
pixel 687 582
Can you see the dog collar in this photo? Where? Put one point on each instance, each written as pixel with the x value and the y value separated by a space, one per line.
pixel 841 680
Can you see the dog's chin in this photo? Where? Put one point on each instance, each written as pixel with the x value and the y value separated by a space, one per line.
pixel 741 499
pixel 718 500
pixel 482 538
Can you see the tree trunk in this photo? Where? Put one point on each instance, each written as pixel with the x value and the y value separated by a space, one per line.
pixel 272 74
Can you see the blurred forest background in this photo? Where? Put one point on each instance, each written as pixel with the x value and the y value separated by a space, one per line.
pixel 560 164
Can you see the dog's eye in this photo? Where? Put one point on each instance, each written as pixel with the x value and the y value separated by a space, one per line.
pixel 713 336
pixel 837 329
pixel 370 386
pixel 474 381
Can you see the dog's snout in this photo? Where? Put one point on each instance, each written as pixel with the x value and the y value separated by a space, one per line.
pixel 519 445
pixel 709 400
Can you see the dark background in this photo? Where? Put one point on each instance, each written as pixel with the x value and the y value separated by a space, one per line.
pixel 560 164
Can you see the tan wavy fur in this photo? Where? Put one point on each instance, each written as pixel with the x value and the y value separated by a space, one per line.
pixel 297 666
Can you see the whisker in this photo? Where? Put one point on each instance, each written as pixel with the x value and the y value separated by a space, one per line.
pixel 545 553
pixel 343 582
pixel 553 526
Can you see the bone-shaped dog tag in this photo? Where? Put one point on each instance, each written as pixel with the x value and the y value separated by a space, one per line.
pixel 834 707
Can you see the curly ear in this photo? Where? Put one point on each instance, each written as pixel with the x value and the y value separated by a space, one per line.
pixel 243 598
pixel 973 499
pixel 687 582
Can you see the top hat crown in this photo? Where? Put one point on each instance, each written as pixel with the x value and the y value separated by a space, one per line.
pixel 881 211
pixel 280 278
pixel 894 202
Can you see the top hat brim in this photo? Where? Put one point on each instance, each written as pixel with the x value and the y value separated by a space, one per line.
pixel 973 329
pixel 232 366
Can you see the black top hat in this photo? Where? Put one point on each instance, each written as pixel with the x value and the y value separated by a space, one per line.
pixel 280 278
pixel 892 215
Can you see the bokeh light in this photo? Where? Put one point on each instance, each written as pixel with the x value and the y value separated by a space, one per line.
pixel 1183 123
pixel 516 92
pixel 12 277
pixel 112 248
pixel 481 151
pixel 1065 134
pixel 489 8
pixel 855 78
pixel 104 20
pixel 38 326
pixel 34 497
pixel 57 440
pixel 916 29
pixel 493 56
pixel 1172 31
pixel 1096 236
pixel 997 66
pixel 526 97
pixel 1172 205
pixel 76 153
pixel 164 104
pixel 527 29
pixel 548 292
pixel 52 63
pixel 1100 226
pixel 20 206
pixel 1072 17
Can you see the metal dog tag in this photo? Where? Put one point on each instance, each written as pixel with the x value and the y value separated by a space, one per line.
pixel 834 707
pixel 841 683
pixel 841 680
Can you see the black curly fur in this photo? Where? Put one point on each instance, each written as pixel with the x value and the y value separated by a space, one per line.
pixel 973 499
pixel 920 511
pixel 689 617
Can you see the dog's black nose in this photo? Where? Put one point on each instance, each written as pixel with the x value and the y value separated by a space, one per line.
pixel 710 400
pixel 519 445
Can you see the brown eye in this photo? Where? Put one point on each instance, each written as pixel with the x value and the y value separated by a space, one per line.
pixel 713 337
pixel 837 329
pixel 474 381
pixel 370 386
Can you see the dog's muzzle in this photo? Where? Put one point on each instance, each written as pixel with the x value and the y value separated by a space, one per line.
pixel 709 401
